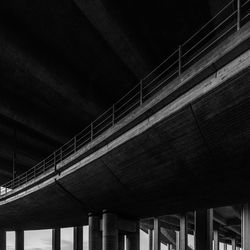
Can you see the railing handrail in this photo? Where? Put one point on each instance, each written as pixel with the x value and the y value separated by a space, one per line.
pixel 142 91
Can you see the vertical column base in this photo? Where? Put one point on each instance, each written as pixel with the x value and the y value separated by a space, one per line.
pixel 121 243
pixel 2 240
pixel 157 233
pixel 133 239
pixel 56 239
pixel 20 240
pixel 110 231
pixel 78 238
pixel 204 229
pixel 245 226
pixel 150 239
pixel 95 235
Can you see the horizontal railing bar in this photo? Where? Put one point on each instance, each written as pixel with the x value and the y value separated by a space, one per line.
pixel 160 64
pixel 83 137
pixel 175 62
pixel 136 86
pixel 109 109
pixel 208 34
pixel 109 125
pixel 135 95
pixel 120 115
pixel 218 38
pixel 103 121
pixel 86 128
pixel 243 5
pixel 84 143
pixel 205 25
pixel 245 16
pixel 161 83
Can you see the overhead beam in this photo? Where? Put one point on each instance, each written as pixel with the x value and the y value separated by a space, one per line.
pixel 48 84
pixel 29 122
pixel 98 14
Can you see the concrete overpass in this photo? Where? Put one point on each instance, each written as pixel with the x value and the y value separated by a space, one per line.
pixel 179 150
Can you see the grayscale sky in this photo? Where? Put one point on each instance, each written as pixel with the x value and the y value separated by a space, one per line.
pixel 41 240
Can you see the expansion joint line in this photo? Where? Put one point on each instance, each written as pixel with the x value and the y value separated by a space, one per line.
pixel 201 133
pixel 117 179
pixel 72 197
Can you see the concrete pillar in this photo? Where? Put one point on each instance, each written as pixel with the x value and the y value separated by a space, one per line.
pixel 78 238
pixel 56 239
pixel 95 234
pixel 157 234
pixel 121 241
pixel 204 229
pixel 183 233
pixel 245 226
pixel 2 240
pixel 133 239
pixel 233 242
pixel 150 239
pixel 177 241
pixel 216 240
pixel 110 231
pixel 225 246
pixel 20 240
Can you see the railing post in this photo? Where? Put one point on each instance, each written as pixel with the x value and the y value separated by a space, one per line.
pixel 238 14
pixel 141 96
pixel 113 115
pixel 180 62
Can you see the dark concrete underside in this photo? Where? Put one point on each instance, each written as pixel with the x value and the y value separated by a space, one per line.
pixel 60 59
pixel 197 156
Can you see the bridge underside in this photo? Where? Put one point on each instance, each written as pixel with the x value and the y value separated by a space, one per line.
pixel 195 157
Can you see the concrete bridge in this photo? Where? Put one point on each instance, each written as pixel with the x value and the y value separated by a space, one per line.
pixel 185 148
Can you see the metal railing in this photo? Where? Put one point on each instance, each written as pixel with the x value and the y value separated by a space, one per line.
pixel 225 22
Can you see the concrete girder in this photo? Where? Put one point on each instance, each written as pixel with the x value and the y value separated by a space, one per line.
pixel 118 40
pixel 49 84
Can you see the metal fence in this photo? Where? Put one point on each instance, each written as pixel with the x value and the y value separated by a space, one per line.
pixel 227 21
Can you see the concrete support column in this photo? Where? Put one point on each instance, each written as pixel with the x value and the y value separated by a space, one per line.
pixel 133 239
pixel 204 229
pixel 110 231
pixel 216 240
pixel 20 240
pixel 177 240
pixel 2 240
pixel 95 234
pixel 150 239
pixel 225 246
pixel 183 233
pixel 157 234
pixel 121 241
pixel 233 242
pixel 245 226
pixel 78 238
pixel 56 239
